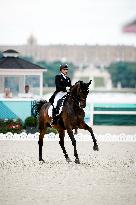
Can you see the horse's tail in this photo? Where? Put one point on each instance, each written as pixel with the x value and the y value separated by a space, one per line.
pixel 37 106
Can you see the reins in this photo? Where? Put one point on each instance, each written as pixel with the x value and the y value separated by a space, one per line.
pixel 77 99
pixel 75 96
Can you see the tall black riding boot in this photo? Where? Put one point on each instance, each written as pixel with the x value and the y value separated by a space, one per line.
pixel 55 117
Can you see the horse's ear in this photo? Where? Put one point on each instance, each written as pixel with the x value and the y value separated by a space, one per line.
pixel 81 82
pixel 89 82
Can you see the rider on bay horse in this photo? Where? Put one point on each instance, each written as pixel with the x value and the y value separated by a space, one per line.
pixel 63 84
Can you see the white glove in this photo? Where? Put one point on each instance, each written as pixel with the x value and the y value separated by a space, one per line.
pixel 68 89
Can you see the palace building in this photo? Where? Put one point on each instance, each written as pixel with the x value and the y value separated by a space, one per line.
pixel 77 54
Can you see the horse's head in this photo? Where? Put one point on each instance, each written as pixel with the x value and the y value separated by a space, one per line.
pixel 80 91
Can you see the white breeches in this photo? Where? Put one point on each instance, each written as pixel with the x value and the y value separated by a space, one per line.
pixel 58 96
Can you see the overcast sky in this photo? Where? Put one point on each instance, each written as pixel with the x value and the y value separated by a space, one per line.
pixel 66 21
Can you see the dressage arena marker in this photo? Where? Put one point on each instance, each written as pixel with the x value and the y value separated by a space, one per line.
pixel 107 137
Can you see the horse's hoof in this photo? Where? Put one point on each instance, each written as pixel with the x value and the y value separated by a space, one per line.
pixel 68 160
pixel 77 161
pixel 96 148
pixel 42 160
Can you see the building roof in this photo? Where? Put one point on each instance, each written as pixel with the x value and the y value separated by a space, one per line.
pixel 17 63
pixel 10 51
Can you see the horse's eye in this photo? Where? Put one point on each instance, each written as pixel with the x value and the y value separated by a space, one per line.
pixel 85 91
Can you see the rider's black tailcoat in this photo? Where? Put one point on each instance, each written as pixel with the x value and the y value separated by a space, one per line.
pixel 61 84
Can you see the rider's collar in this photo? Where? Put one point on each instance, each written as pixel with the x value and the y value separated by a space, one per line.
pixel 63 75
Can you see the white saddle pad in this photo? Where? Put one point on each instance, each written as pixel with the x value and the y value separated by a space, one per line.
pixel 50 111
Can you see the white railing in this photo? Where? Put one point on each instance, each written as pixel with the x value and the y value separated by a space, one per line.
pixel 107 137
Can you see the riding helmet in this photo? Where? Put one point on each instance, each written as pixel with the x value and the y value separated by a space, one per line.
pixel 63 66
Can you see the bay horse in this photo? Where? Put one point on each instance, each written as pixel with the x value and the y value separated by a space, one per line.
pixel 71 117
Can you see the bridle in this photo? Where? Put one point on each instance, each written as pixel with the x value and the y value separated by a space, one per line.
pixel 78 99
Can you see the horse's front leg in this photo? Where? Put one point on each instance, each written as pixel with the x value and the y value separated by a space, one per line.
pixel 86 127
pixel 61 142
pixel 71 135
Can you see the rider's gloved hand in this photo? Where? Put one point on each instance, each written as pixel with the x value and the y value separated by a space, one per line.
pixel 68 89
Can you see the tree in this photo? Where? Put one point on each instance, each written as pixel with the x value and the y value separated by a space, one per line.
pixel 1 55
pixel 123 73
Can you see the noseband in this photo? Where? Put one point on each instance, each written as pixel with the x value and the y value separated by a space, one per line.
pixel 78 99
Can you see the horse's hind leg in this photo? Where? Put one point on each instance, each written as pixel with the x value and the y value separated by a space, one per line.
pixel 40 142
pixel 71 135
pixel 61 142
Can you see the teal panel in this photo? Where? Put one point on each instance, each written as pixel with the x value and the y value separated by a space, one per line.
pixel 114 119
pixel 6 113
pixel 114 107
pixel 22 109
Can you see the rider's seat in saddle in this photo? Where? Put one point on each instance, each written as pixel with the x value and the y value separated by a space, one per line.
pixel 58 109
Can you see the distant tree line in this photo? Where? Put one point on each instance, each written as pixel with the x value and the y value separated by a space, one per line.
pixel 52 70
pixel 1 54
pixel 123 73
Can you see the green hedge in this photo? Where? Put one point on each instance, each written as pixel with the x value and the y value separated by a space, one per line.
pixel 17 126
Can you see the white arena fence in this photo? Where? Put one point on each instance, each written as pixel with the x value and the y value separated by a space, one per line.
pixel 107 137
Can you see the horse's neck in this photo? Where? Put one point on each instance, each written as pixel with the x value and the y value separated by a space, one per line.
pixel 74 101
pixel 73 97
